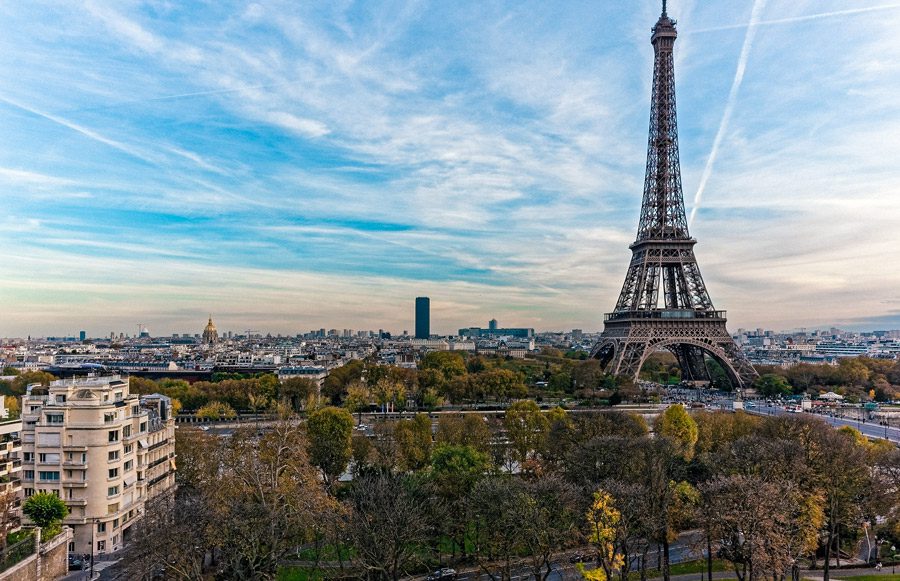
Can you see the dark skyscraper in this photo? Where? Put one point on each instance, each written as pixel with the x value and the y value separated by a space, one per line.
pixel 423 317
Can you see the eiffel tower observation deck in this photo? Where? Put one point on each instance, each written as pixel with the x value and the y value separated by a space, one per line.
pixel 664 303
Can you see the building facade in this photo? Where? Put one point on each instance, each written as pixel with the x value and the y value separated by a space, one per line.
pixel 101 449
pixel 10 469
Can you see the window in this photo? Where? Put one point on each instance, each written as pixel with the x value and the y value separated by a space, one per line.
pixel 126 432
pixel 60 398
pixel 109 417
pixel 129 448
pixel 35 408
pixel 113 455
pixel 54 418
pixel 112 491
pixel 128 465
pixel 28 456
pixel 48 475
pixel 143 426
pixel 118 396
pixel 115 523
pixel 135 410
pixel 72 546
pixel 45 458
pixel 114 435
pixel 29 492
pixel 101 527
pixel 101 546
pixel 28 474
pixel 112 508
pixel 113 472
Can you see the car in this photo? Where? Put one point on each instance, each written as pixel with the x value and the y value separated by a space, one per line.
pixel 361 428
pixel 76 563
pixel 443 574
pixel 749 404
pixel 204 428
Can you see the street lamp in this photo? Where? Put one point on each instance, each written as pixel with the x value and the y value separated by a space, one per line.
pixel 893 558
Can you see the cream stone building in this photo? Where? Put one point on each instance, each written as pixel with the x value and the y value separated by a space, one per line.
pixel 103 450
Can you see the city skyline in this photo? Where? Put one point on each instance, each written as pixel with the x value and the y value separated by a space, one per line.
pixel 290 170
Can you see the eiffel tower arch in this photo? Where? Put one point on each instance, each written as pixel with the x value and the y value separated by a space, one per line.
pixel 664 303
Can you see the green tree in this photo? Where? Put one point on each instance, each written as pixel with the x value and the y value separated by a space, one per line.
pixel 501 384
pixel 24 379
pixel 413 439
pixel 330 432
pixel 46 510
pixel 772 385
pixel 677 426
pixel 464 430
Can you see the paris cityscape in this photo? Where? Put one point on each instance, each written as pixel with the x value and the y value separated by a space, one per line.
pixel 375 291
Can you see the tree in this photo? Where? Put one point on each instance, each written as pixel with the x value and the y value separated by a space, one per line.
pixel 358 399
pixel 413 439
pixel 455 470
pixel 677 426
pixel 389 521
pixel 551 514
pixel 526 428
pixel 772 385
pixel 47 511
pixel 764 526
pixel 464 430
pixel 297 390
pixel 501 384
pixel 449 364
pixel 498 521
pixel 330 431
pixel 603 524
pixel 217 410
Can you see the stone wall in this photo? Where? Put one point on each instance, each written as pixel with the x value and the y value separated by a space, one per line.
pixel 49 562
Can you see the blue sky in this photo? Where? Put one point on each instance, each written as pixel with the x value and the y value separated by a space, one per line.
pixel 292 165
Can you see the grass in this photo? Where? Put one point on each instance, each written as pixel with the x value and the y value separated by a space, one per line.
pixel 838 574
pixel 297 574
pixel 686 568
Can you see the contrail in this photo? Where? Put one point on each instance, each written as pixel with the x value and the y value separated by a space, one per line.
pixel 758 7
pixel 90 134
pixel 792 19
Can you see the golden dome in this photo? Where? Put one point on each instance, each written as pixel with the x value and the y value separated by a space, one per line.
pixel 210 334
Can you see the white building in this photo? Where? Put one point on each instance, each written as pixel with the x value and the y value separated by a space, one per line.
pixel 104 451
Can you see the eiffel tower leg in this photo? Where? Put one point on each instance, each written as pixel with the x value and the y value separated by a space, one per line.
pixel 692 362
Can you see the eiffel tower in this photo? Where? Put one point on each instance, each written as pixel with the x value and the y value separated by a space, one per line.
pixel 664 303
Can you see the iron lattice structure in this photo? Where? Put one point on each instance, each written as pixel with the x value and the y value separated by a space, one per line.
pixel 664 303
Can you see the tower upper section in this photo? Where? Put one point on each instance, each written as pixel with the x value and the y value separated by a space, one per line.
pixel 662 210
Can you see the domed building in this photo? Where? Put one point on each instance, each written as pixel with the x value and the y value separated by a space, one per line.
pixel 210 334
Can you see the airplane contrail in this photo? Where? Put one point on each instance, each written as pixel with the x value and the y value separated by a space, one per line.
pixel 90 134
pixel 758 7
pixel 793 19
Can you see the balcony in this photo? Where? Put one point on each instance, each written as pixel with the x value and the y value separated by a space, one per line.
pixel 76 501
pixel 75 464
pixel 74 484
pixel 74 448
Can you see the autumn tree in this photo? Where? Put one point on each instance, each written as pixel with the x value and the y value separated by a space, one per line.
pixel 464 430
pixel 602 532
pixel 678 427
pixel 297 390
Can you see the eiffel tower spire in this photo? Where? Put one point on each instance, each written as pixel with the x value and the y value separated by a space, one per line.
pixel 664 302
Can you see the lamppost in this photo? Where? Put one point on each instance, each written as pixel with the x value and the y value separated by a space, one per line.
pixel 893 558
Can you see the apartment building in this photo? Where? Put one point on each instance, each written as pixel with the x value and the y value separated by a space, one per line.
pixel 10 469
pixel 103 450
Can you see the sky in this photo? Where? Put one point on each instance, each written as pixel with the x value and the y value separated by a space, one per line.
pixel 287 166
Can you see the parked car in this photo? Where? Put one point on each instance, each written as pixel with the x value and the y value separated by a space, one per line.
pixel 77 563
pixel 444 574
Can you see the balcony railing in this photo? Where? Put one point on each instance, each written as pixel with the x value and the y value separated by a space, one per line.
pixel 670 314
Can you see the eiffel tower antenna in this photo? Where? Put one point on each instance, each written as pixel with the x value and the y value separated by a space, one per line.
pixel 664 303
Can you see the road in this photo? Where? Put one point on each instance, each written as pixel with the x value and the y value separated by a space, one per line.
pixel 867 428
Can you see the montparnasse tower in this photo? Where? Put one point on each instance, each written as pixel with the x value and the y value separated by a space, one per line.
pixel 210 334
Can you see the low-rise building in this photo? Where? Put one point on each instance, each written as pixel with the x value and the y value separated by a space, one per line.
pixel 103 450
